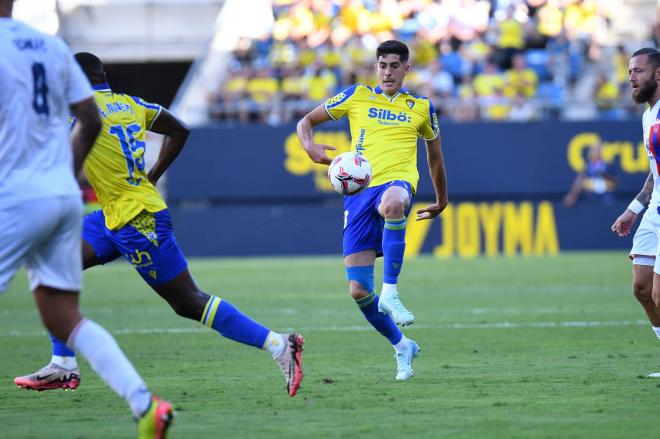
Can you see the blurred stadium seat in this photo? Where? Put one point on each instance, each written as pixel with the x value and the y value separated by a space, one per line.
pixel 537 60
pixel 566 42
pixel 337 39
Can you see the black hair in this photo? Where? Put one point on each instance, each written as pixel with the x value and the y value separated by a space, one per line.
pixel 393 47
pixel 91 65
pixel 653 54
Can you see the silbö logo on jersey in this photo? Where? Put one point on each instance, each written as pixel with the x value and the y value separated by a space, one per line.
pixel 387 117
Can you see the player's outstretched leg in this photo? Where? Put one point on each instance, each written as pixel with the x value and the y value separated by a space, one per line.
pixel 109 362
pixel 286 349
pixel 61 316
pixel 188 301
pixel 61 373
pixel 361 281
pixel 394 246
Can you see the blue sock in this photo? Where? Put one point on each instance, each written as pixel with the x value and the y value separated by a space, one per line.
pixel 59 348
pixel 231 323
pixel 383 323
pixel 394 245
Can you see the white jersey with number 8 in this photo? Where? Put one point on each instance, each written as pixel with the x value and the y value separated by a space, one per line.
pixel 39 78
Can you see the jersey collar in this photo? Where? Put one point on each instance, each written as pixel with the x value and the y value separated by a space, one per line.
pixel 379 90
pixel 101 87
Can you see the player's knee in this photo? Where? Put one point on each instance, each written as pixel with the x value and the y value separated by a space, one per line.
pixel 190 307
pixel 180 309
pixel 357 291
pixel 360 281
pixel 392 208
pixel 642 292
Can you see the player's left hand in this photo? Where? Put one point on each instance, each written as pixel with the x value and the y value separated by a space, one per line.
pixel 430 211
pixel 624 223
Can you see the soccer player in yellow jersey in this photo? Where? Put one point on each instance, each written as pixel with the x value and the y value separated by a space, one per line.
pixel 134 223
pixel 385 123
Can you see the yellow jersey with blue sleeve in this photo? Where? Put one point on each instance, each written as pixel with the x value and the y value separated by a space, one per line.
pixel 385 129
pixel 115 165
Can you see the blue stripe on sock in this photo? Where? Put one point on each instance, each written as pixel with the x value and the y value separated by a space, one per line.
pixel 59 348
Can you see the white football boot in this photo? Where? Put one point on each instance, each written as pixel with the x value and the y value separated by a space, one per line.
pixel 393 307
pixel 404 360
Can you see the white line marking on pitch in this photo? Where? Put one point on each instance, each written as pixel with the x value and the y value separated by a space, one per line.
pixel 348 328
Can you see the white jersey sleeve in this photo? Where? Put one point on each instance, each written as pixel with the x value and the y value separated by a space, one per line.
pixel 649 118
pixel 39 79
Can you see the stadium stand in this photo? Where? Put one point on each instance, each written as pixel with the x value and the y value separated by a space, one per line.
pixel 565 54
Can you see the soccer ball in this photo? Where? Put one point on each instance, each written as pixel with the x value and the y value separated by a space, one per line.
pixel 349 173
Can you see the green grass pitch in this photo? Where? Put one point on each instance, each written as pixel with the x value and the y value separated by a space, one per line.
pixel 511 348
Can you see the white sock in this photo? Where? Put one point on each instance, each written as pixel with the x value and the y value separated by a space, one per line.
pixel 106 359
pixel 402 344
pixel 275 344
pixel 656 329
pixel 68 363
pixel 388 290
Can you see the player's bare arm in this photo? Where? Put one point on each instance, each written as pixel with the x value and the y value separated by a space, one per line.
pixel 84 133
pixel 315 151
pixel 644 196
pixel 176 133
pixel 623 224
pixel 436 162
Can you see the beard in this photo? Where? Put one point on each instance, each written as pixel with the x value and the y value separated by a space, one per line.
pixel 645 92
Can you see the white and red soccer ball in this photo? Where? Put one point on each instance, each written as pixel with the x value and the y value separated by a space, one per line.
pixel 349 173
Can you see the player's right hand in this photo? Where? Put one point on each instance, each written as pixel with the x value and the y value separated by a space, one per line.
pixel 430 211
pixel 623 224
pixel 317 152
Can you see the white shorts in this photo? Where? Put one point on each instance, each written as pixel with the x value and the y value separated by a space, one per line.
pixel 645 241
pixel 44 236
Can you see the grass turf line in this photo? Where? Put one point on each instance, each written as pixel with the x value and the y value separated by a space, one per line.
pixel 471 379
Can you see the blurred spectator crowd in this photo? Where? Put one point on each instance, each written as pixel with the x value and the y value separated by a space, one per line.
pixel 491 60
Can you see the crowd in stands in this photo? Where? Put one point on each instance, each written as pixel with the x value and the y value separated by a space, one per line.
pixel 476 60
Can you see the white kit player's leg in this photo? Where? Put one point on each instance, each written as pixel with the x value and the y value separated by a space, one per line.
pixel 643 254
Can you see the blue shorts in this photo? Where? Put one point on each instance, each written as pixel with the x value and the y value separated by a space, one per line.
pixel 147 242
pixel 363 225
